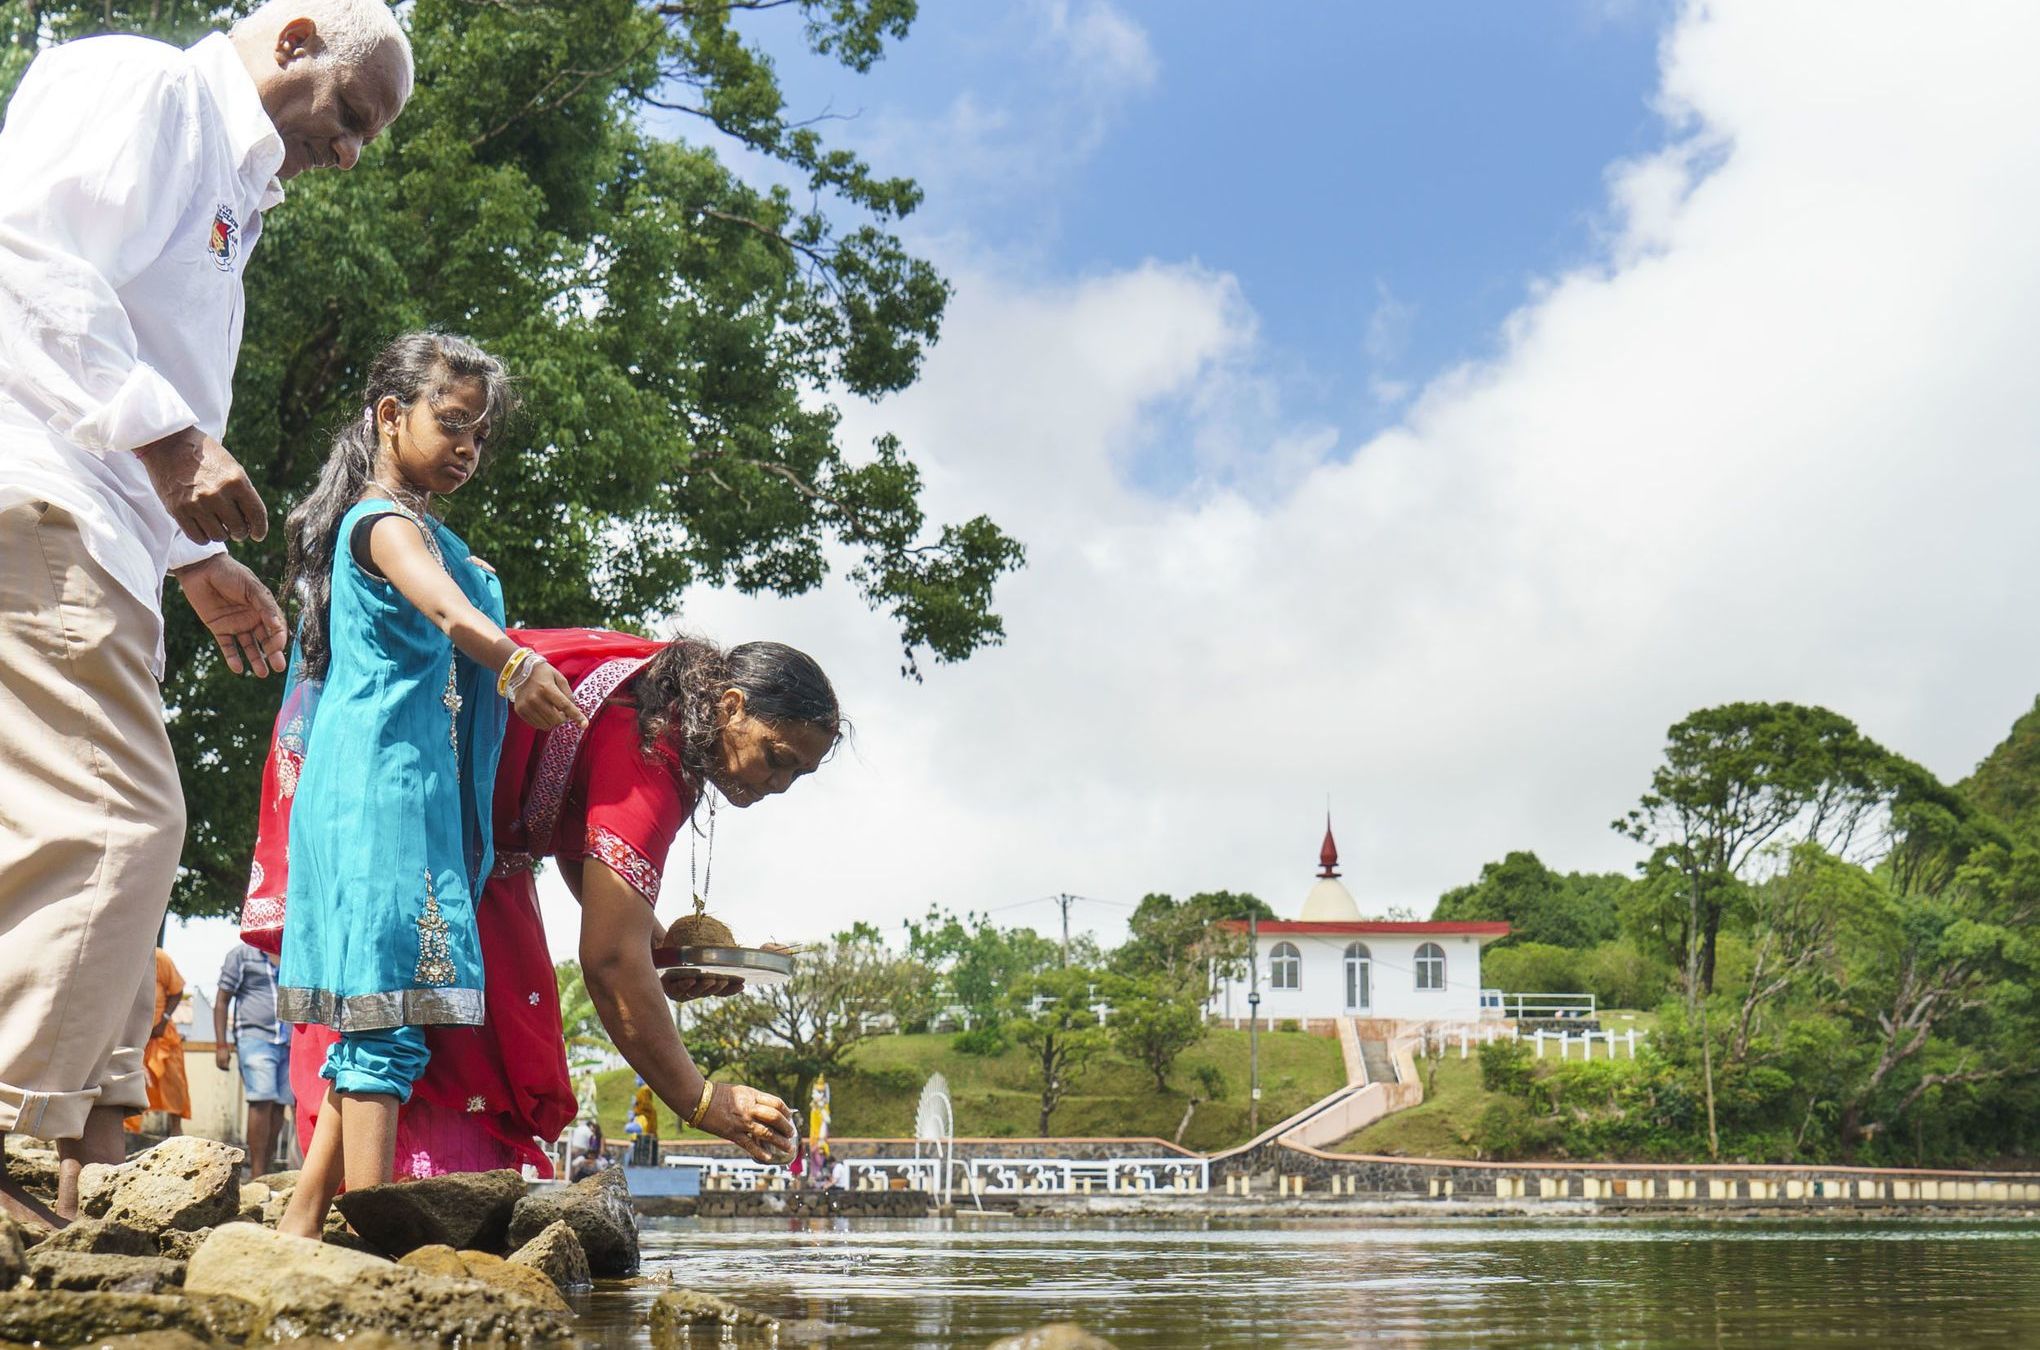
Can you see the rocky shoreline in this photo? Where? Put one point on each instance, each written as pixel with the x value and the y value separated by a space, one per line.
pixel 172 1251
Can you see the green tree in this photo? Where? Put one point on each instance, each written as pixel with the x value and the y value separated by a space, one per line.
pixel 1942 977
pixel 1734 780
pixel 977 962
pixel 2007 783
pixel 1153 1021
pixel 1539 905
pixel 1049 1013
pixel 681 335
pixel 1180 942
pixel 788 1035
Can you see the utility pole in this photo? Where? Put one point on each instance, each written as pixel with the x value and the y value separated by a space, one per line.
pixel 1253 1024
pixel 1064 902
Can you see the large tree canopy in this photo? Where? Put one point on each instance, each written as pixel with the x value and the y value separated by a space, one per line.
pixel 677 331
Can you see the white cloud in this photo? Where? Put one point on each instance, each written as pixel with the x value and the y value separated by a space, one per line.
pixel 1771 447
pixel 1105 50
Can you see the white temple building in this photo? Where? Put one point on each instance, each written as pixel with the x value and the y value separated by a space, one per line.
pixel 1329 962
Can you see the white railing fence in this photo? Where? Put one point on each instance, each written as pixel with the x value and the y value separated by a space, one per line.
pixel 1566 1040
pixel 1495 1003
pixel 986 1176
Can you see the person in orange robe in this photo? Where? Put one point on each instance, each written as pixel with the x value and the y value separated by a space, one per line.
pixel 169 1090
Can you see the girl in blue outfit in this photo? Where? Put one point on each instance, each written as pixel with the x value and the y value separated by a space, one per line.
pixel 389 830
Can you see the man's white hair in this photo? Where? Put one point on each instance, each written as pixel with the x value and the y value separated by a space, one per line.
pixel 352 30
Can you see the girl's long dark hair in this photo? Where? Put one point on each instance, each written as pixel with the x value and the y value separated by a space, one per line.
pixel 415 366
pixel 679 696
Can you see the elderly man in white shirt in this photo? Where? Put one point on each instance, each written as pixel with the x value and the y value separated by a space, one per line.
pixel 135 177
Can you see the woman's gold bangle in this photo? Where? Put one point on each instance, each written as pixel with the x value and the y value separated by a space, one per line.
pixel 701 1107
pixel 517 658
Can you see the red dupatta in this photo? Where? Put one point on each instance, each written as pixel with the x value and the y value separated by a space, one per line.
pixel 531 777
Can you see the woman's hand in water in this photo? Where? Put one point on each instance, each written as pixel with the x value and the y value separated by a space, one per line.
pixel 756 1122
pixel 545 700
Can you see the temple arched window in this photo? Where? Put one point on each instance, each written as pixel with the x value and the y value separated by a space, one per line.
pixel 1285 967
pixel 1430 966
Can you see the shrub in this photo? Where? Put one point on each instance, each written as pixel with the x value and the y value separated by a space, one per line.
pixel 1620 976
pixel 1289 1024
pixel 986 1040
pixel 1508 1129
pixel 1505 1067
pixel 1531 968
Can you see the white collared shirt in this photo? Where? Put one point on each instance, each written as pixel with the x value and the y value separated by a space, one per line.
pixel 133 177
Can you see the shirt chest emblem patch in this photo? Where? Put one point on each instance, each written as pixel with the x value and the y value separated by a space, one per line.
pixel 224 243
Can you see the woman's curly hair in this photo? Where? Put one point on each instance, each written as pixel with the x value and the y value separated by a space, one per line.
pixel 679 696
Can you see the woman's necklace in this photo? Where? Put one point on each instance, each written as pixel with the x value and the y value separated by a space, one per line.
pixel 699 879
pixel 419 502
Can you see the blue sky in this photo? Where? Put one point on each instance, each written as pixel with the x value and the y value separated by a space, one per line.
pixel 1383 180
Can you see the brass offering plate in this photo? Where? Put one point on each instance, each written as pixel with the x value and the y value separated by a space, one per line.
pixel 753 965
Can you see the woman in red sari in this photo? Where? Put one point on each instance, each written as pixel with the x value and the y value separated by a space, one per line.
pixel 605 804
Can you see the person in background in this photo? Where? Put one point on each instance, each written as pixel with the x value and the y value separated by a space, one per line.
pixel 262 1040
pixel 644 1114
pixel 163 1060
pixel 134 179
pixel 839 1174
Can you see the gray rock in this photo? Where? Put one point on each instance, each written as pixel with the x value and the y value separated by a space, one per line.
pixel 463 1210
pixel 556 1254
pixel 675 1315
pixel 178 1245
pixel 67 1317
pixel 106 1239
pixel 599 1212
pixel 110 1272
pixel 1053 1336
pixel 153 1340
pixel 182 1183
pixel 415 1306
pixel 13 1253
pixel 31 1165
pixel 247 1261
pixel 254 1196
pixel 300 1287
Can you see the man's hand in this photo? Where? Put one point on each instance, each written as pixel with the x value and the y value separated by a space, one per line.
pixel 242 614
pixel 222 1055
pixel 204 488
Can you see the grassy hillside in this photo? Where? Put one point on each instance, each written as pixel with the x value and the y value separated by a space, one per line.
pixel 996 1096
pixel 1441 1126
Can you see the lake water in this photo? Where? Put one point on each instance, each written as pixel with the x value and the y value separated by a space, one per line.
pixel 1395 1282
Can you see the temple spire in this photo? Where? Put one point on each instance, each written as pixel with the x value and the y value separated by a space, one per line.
pixel 1328 854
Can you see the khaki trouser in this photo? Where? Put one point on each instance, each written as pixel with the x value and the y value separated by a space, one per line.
pixel 91 826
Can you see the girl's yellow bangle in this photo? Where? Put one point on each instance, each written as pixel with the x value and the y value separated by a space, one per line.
pixel 517 658
pixel 701 1107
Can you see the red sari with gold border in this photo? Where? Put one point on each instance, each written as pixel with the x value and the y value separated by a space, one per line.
pixel 492 1094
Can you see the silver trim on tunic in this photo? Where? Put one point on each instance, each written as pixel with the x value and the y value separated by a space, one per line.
pixel 378 1012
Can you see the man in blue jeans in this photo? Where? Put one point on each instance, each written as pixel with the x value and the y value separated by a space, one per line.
pixel 248 980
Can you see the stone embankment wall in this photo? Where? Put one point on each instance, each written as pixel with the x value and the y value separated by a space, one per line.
pixel 1274 1169
pixel 813 1204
